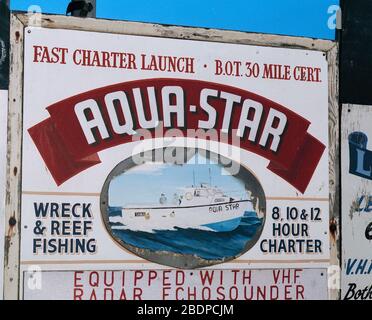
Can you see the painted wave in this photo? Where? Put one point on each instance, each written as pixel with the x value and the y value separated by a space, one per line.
pixel 202 243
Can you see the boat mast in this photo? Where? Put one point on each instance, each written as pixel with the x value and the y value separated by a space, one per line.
pixel 210 177
pixel 193 175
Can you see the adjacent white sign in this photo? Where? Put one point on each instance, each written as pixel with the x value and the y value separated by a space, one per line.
pixel 115 174
pixel 356 202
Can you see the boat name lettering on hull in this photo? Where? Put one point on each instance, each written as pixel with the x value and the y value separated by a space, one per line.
pixel 228 207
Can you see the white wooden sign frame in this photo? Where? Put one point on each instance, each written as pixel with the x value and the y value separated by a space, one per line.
pixel 14 154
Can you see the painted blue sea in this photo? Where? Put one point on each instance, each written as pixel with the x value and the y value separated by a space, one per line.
pixel 204 244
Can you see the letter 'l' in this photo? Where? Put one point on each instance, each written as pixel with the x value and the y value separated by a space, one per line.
pixel 360 163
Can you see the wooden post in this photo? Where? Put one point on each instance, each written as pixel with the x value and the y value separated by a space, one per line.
pixel 13 174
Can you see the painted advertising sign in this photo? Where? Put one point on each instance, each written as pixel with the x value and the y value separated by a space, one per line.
pixel 356 203
pixel 3 148
pixel 296 284
pixel 144 153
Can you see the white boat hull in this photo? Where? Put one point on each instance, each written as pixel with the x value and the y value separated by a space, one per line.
pixel 222 217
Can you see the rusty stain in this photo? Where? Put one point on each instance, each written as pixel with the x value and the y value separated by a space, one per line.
pixel 12 221
pixel 18 36
pixel 6 249
pixel 333 228
pixel 8 238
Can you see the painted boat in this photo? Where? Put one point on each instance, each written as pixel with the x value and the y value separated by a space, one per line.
pixel 203 207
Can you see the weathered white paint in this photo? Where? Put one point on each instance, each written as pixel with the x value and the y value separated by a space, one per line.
pixel 3 147
pixel 13 186
pixel 334 177
pixel 164 31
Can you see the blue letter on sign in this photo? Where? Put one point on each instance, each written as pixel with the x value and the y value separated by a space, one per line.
pixel 360 157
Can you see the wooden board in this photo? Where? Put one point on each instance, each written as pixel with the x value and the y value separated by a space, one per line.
pixel 19 21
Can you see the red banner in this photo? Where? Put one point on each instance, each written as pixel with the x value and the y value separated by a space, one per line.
pixel 63 141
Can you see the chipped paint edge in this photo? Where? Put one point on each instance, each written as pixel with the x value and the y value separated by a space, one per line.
pixel 167 31
pixel 13 174
pixel 334 174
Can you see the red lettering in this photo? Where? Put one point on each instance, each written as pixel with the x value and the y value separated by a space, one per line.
pixel 166 278
pixel 165 293
pixel 261 293
pixel 106 281
pixel 300 292
pixel 309 74
pixel 123 296
pixel 152 276
pixel 43 54
pixel 94 279
pixel 247 277
pixel 108 294
pixel 138 275
pixel 178 290
pixel 287 292
pixel 234 293
pixel 180 278
pixel 297 275
pixel 206 293
pixel 191 293
pixel 78 294
pixel 77 278
pixel 137 294
pixel 205 277
pixel 235 272
pixel 37 53
pixel 221 293
pixel 93 296
pixel 274 293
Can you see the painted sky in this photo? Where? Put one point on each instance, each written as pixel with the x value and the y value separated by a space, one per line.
pixel 310 18
pixel 144 184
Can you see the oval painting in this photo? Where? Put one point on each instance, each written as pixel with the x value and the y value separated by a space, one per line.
pixel 191 209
